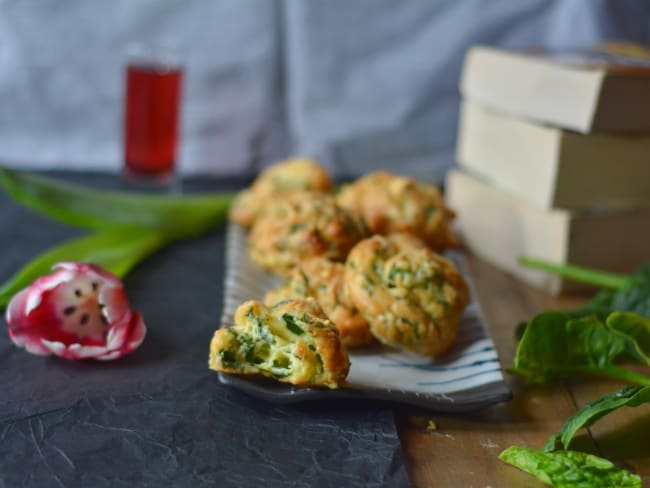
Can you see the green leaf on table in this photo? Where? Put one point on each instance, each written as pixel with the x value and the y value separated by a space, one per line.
pixel 600 305
pixel 630 396
pixel 621 293
pixel 589 276
pixel 569 468
pixel 554 346
pixel 176 216
pixel 637 328
pixel 635 295
pixel 116 251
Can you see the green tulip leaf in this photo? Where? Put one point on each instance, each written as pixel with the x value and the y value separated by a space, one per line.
pixel 116 251
pixel 177 217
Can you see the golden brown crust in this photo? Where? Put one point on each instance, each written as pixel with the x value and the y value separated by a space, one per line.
pixel 412 297
pixel 324 281
pixel 301 226
pixel 283 178
pixel 244 208
pixel 386 203
pixel 293 342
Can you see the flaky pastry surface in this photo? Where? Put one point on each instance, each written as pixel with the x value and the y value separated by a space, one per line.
pixel 277 181
pixel 323 280
pixel 292 342
pixel 412 297
pixel 302 226
pixel 386 203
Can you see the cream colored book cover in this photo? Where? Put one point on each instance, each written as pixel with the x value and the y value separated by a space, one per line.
pixel 500 227
pixel 601 89
pixel 551 167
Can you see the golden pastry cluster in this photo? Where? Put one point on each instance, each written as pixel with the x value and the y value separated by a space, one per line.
pixel 360 266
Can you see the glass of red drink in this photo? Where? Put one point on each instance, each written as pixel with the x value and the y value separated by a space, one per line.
pixel 154 77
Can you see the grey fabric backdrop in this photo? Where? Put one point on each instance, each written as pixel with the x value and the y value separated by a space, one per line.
pixel 361 85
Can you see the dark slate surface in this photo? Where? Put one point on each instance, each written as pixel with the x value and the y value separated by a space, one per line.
pixel 159 417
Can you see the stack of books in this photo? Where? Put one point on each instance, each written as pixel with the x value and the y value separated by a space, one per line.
pixel 554 161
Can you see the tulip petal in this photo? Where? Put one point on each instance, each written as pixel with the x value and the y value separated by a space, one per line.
pixel 15 310
pixel 80 311
pixel 31 343
pixel 139 332
pixel 116 306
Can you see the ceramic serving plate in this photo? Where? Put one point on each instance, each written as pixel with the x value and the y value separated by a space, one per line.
pixel 468 377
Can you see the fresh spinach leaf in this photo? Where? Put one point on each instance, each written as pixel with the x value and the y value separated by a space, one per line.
pixel 569 468
pixel 600 306
pixel 590 276
pixel 635 295
pixel 637 329
pixel 554 346
pixel 621 293
pixel 631 396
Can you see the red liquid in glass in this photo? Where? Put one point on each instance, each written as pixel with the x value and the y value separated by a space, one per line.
pixel 151 119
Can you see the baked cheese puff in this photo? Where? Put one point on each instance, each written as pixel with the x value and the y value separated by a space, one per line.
pixel 302 226
pixel 285 177
pixel 385 203
pixel 323 280
pixel 293 342
pixel 412 297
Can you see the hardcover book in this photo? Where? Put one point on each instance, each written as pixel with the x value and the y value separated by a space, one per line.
pixel 500 227
pixel 600 90
pixel 551 167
